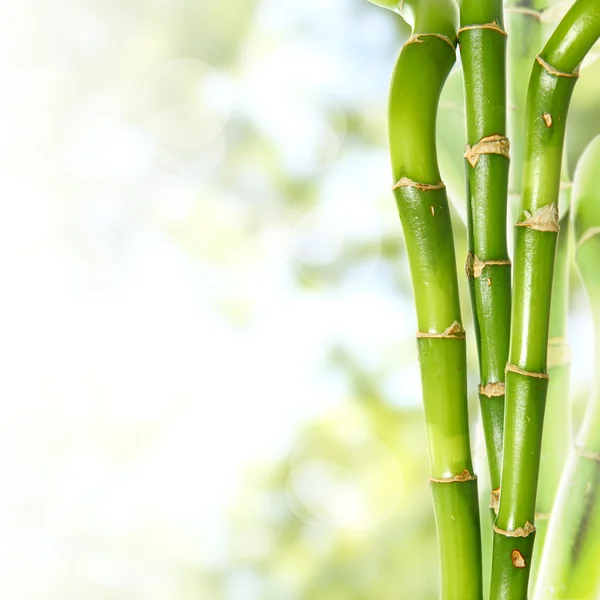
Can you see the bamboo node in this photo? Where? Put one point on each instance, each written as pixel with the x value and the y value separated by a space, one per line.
pixel 554 71
pixel 536 14
pixel 518 532
pixel 460 478
pixel 493 390
pixel 552 14
pixel 590 233
pixel 559 352
pixel 416 39
pixel 566 185
pixel 492 144
pixel 495 500
pixel 423 187
pixel 543 219
pixel 587 454
pixel 493 25
pixel 514 369
pixel 479 265
pixel 517 559
pixel 455 331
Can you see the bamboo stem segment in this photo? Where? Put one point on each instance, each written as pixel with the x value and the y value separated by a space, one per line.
pixel 483 54
pixel 570 566
pixel 535 248
pixel 418 78
pixel 556 437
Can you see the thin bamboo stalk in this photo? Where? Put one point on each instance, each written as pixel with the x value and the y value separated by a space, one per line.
pixel 420 73
pixel 570 567
pixel 556 437
pixel 552 81
pixel 483 54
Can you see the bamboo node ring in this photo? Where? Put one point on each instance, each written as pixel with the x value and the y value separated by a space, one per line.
pixel 514 369
pixel 424 187
pixel 455 331
pixel 554 71
pixel 493 390
pixel 552 14
pixel 543 219
pixel 474 266
pixel 519 532
pixel 416 39
pixel 460 478
pixel 521 10
pixel 493 26
pixel 492 144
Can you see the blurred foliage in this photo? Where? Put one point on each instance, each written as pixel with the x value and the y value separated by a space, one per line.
pixel 310 555
pixel 348 515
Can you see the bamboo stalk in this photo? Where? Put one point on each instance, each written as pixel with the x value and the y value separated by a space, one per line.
pixel 527 33
pixel 556 437
pixel 483 54
pixel 552 81
pixel 570 567
pixel 420 73
pixel 529 28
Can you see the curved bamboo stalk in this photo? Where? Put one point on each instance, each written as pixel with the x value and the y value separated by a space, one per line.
pixel 529 27
pixel 556 437
pixel 570 567
pixel 550 88
pixel 420 73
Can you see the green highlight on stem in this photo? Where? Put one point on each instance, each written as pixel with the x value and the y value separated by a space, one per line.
pixel 551 85
pixel 420 73
pixel 483 54
pixel 570 567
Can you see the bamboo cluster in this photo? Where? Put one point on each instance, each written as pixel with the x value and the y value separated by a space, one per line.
pixel 519 308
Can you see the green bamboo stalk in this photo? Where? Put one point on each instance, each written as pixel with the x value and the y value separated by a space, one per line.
pixel 483 54
pixel 527 33
pixel 551 85
pixel 570 568
pixel 556 436
pixel 529 28
pixel 420 73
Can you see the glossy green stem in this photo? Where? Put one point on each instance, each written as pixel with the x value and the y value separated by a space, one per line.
pixel 556 437
pixel 570 567
pixel 420 73
pixel 483 55
pixel 549 94
pixel 527 33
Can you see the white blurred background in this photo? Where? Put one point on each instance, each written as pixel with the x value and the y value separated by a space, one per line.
pixel 155 339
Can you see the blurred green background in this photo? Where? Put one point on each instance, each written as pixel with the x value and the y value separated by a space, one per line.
pixel 210 386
